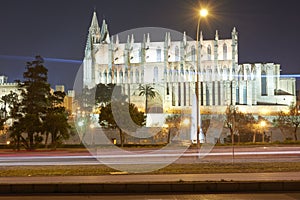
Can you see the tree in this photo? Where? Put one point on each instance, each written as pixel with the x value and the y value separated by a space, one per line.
pixel 104 93
pixel 55 123
pixel 9 101
pixel 285 121
pixel 37 108
pixel 14 105
pixel 173 122
pixel 108 120
pixel 86 99
pixel 281 122
pixel 240 123
pixel 294 119
pixel 205 123
pixel 230 121
pixel 35 92
pixel 248 124
pixel 149 92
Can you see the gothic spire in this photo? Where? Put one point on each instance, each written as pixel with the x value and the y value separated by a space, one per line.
pixel 94 28
pixel 132 39
pixel 104 33
pixel 184 38
pixel 217 35
pixel 148 38
pixel 117 39
pixel 201 36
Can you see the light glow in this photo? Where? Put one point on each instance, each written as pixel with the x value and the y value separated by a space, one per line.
pixel 262 123
pixel 203 12
pixel 186 122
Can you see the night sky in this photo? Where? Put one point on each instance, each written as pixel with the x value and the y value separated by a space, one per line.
pixel 269 30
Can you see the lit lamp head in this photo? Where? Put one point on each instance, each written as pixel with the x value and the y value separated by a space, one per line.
pixel 186 122
pixel 262 123
pixel 203 12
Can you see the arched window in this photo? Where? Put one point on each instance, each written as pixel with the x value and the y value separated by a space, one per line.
pixel 179 94
pixel 248 74
pixel 219 93
pixel 233 73
pixel 126 76
pixel 187 77
pixel 245 95
pixel 109 76
pixel 207 96
pixel 131 76
pixel 224 73
pixel 140 55
pixel 264 84
pixel 115 76
pixel 224 52
pixel 192 73
pixel 137 76
pixel 105 76
pixel 100 77
pixel 213 93
pixel 176 53
pixel 173 96
pixel 209 75
pixel 237 97
pixel 240 75
pixel 121 76
pixel 158 54
pixel 170 75
pixel 209 52
pixel 155 74
pixel 216 74
pixel 221 74
pixel 193 52
pixel 142 76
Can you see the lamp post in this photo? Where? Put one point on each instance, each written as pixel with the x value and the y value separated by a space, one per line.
pixel 202 13
pixel 92 126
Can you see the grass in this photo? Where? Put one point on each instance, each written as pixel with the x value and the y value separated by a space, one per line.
pixel 203 168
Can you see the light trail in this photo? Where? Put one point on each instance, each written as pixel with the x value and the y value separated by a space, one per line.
pixel 28 58
pixel 146 155
pixel 120 159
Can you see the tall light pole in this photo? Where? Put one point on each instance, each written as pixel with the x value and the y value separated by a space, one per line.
pixel 202 13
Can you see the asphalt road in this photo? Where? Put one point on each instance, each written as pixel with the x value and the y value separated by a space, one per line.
pixel 150 156
pixel 244 196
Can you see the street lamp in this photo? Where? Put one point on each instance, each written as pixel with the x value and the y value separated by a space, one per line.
pixel 92 126
pixel 202 13
pixel 186 122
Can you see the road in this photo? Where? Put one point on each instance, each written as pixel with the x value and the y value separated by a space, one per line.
pixel 244 196
pixel 146 156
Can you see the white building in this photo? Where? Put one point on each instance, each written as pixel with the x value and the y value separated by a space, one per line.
pixel 5 89
pixel 170 67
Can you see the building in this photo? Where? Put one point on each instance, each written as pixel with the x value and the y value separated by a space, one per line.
pixel 171 68
pixel 5 89
pixel 68 100
pixel 298 100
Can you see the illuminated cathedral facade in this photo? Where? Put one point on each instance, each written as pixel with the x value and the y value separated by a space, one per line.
pixel 171 68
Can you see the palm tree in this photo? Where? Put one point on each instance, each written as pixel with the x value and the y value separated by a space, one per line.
pixel 149 92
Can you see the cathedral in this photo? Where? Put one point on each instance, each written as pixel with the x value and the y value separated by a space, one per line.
pixel 173 68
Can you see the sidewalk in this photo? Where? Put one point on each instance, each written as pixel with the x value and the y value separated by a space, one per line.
pixel 193 183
